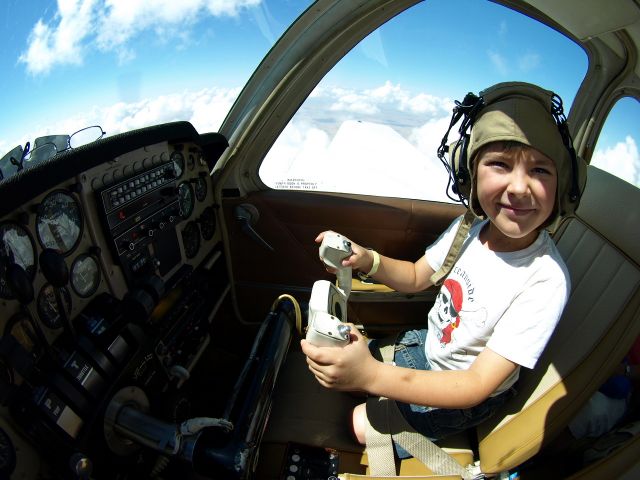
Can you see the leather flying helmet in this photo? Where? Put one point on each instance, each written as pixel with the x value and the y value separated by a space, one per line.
pixel 513 112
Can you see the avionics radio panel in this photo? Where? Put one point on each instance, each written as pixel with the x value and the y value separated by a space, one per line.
pixel 139 215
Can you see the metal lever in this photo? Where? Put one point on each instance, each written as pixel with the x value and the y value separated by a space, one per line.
pixel 248 216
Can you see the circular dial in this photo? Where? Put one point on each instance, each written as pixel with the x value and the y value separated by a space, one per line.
pixel 185 199
pixel 178 163
pixel 7 455
pixel 16 246
pixel 85 275
pixel 201 188
pixel 48 306
pixel 191 239
pixel 59 222
pixel 208 223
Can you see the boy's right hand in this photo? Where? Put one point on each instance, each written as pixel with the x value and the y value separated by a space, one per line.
pixel 361 259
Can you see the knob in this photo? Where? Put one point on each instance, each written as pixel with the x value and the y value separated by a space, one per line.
pixel 81 466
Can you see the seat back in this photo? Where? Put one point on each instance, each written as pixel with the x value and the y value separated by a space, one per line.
pixel 601 247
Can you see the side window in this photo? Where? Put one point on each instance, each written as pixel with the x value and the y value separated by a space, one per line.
pixel 373 124
pixel 617 148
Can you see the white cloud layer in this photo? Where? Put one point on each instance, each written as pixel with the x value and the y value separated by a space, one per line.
pixel 340 129
pixel 205 109
pixel 108 25
pixel 621 160
pixel 334 129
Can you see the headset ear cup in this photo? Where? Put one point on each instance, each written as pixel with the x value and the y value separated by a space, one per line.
pixel 458 161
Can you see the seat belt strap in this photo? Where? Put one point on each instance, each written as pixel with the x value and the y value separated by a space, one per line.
pixel 454 250
pixel 386 424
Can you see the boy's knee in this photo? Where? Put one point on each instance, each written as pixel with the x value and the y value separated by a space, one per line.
pixel 359 423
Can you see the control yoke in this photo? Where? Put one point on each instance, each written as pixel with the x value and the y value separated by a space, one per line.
pixel 328 303
pixel 333 250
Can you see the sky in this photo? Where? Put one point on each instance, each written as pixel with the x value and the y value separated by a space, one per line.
pixel 127 64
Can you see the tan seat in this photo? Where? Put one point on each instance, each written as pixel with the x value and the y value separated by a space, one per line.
pixel 601 321
pixel 601 246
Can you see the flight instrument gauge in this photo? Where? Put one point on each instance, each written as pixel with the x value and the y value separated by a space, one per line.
pixel 185 199
pixel 16 246
pixel 85 275
pixel 59 222
pixel 191 239
pixel 207 223
pixel 178 163
pixel 48 309
pixel 201 189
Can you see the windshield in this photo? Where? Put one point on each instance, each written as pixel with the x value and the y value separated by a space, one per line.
pixel 129 64
pixel 122 64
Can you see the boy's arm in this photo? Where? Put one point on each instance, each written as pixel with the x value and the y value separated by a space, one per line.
pixel 401 275
pixel 443 389
pixel 404 276
pixel 353 368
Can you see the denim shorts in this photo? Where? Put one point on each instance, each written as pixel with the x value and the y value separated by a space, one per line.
pixel 436 423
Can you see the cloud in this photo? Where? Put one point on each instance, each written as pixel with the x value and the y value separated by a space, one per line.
pixel 108 25
pixel 64 43
pixel 338 126
pixel 369 102
pixel 205 109
pixel 503 29
pixel 621 160
pixel 499 62
pixel 334 125
pixel 528 62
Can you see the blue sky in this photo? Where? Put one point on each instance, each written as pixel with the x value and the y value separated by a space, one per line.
pixel 126 64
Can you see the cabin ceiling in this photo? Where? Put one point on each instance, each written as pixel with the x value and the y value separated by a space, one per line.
pixel 583 18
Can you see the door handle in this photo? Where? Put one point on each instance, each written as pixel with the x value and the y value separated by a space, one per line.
pixel 248 215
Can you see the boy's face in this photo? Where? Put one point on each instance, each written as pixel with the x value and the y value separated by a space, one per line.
pixel 516 188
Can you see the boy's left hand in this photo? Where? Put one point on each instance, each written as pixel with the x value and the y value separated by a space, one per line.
pixel 351 367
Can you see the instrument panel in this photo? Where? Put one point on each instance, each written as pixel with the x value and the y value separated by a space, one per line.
pixel 111 275
pixel 103 223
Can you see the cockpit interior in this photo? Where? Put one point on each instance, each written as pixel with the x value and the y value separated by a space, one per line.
pixel 154 289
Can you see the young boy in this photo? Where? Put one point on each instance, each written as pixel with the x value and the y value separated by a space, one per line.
pixel 501 300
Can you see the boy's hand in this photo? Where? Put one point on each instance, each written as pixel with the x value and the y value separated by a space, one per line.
pixel 351 367
pixel 361 259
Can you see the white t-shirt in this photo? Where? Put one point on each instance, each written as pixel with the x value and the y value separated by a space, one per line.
pixel 507 301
